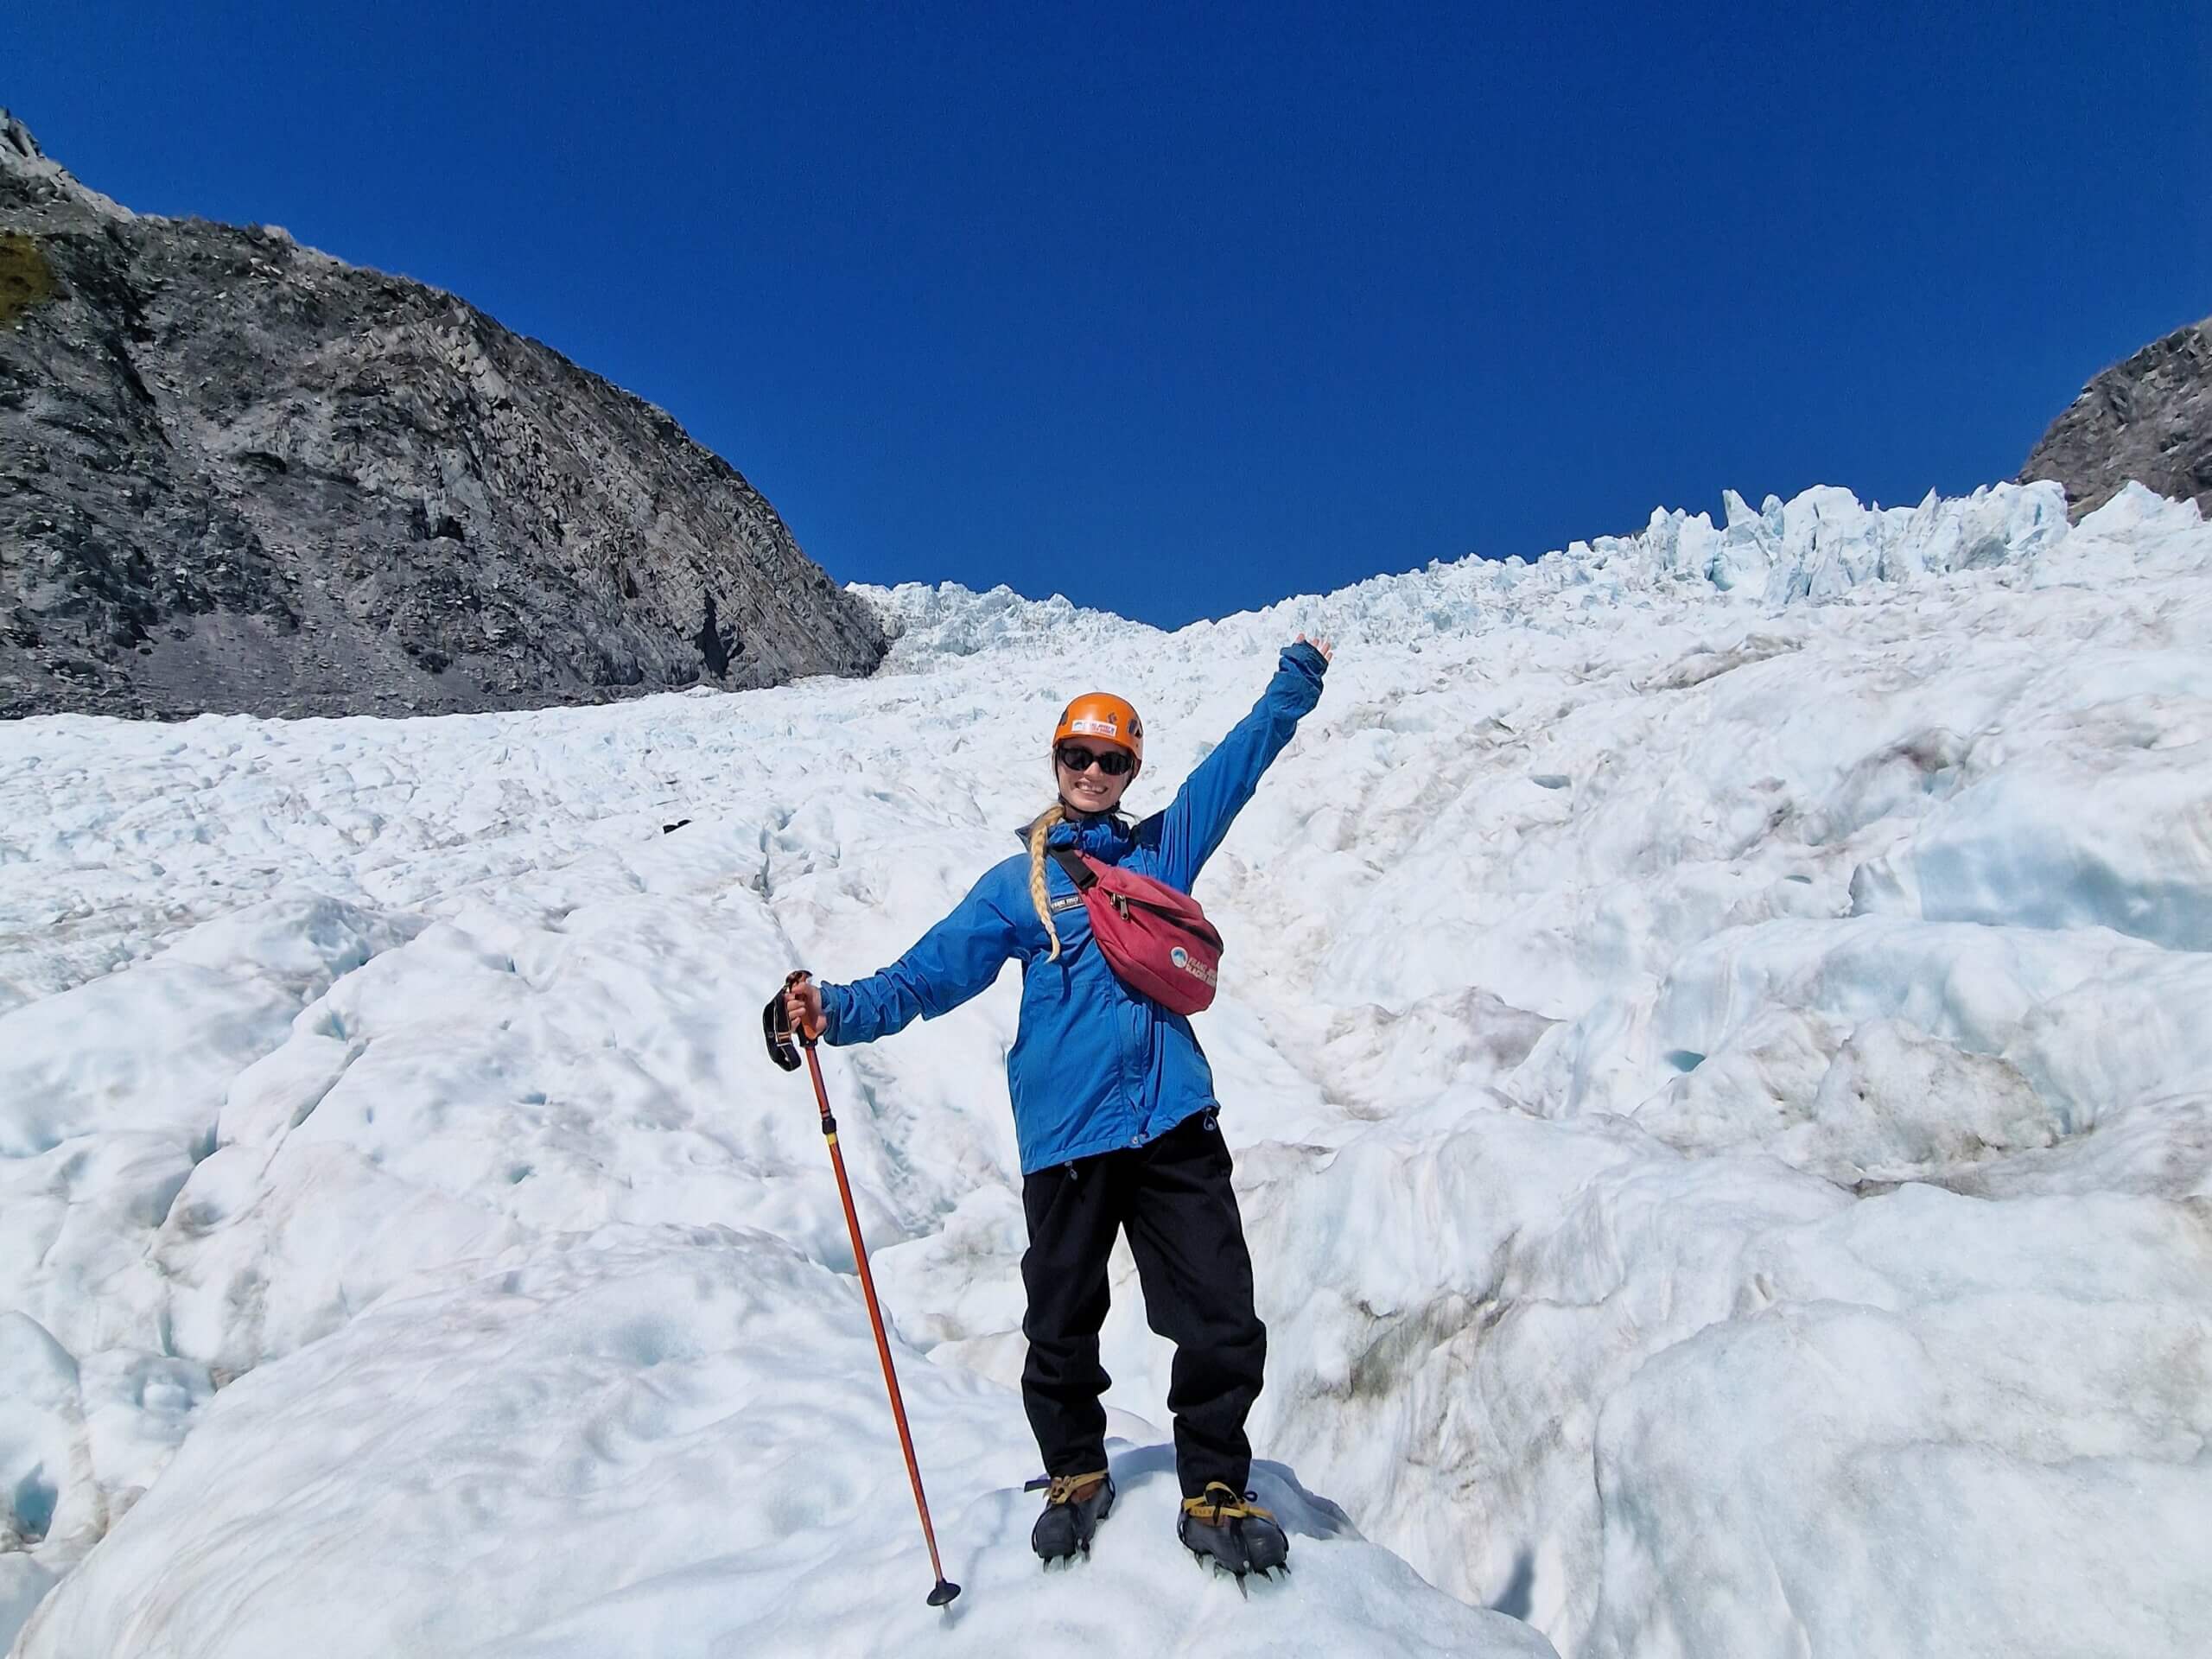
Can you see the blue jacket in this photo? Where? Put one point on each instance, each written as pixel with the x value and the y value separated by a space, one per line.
pixel 1095 1064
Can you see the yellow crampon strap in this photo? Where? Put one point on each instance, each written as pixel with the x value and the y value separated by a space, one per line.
pixel 1218 1504
pixel 1068 1489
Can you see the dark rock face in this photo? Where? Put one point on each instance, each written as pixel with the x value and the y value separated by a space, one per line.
pixel 2149 419
pixel 239 475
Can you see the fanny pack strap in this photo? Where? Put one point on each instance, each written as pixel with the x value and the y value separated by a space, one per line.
pixel 1078 871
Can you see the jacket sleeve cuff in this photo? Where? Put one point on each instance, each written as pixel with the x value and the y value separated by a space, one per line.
pixel 1297 684
pixel 833 1012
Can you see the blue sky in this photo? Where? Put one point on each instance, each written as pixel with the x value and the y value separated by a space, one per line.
pixel 1179 310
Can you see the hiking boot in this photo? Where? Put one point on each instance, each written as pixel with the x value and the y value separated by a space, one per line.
pixel 1074 1506
pixel 1232 1532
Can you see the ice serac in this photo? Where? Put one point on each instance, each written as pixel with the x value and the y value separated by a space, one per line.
pixel 2147 420
pixel 237 474
pixel 1819 545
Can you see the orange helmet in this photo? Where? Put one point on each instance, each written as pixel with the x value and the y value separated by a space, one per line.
pixel 1106 718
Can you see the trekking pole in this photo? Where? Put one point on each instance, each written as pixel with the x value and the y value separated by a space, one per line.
pixel 779 1030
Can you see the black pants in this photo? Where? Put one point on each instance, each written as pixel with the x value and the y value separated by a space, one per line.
pixel 1174 1198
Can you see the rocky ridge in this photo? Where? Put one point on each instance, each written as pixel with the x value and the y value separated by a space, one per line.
pixel 239 475
pixel 2149 419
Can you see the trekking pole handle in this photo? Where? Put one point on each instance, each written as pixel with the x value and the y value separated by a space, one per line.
pixel 784 1036
pixel 807 1041
pixel 797 977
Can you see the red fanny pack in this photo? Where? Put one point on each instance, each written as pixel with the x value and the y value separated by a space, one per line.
pixel 1156 939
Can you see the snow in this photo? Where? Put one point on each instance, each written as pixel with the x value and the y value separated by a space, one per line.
pixel 657 1440
pixel 1710 1034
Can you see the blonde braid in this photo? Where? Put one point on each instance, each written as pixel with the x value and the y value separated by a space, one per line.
pixel 1038 893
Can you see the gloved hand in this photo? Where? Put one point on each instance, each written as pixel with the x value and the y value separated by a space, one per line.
pixel 1328 651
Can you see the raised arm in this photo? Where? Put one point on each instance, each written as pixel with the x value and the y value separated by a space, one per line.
pixel 956 959
pixel 1213 795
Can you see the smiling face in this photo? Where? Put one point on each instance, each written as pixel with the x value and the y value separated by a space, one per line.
pixel 1090 790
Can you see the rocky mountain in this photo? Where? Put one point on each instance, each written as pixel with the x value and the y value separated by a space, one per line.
pixel 2149 419
pixel 237 474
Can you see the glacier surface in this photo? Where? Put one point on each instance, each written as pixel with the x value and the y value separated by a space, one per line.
pixel 1707 1032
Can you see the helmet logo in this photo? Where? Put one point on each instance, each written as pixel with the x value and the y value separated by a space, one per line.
pixel 1102 715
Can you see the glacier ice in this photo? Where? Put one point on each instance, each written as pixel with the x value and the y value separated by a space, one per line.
pixel 1711 1030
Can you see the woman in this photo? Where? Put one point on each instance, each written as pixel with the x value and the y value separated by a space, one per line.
pixel 1114 1110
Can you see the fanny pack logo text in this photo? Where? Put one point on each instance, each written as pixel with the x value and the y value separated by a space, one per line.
pixel 1182 959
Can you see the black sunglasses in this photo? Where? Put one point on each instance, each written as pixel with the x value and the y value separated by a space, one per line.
pixel 1074 758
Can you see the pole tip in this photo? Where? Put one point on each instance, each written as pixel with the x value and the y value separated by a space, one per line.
pixel 946 1591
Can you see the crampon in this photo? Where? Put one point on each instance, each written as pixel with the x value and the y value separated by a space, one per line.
pixel 1233 1533
pixel 1074 1506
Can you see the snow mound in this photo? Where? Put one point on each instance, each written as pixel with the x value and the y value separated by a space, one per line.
pixel 1825 1442
pixel 657 1441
